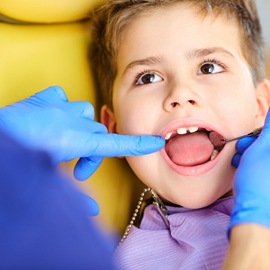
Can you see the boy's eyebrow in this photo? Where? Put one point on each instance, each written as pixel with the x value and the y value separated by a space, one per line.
pixel 206 51
pixel 153 60
pixel 196 53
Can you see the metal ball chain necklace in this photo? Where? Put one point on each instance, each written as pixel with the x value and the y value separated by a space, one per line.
pixel 163 211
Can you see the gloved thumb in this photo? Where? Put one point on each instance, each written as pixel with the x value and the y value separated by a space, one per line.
pixel 85 167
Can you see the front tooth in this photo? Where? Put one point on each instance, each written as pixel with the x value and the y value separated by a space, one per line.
pixel 181 131
pixel 193 129
pixel 168 136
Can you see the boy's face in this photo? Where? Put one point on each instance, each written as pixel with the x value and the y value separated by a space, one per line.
pixel 178 72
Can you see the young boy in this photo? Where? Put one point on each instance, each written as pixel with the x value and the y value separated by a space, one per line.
pixel 189 71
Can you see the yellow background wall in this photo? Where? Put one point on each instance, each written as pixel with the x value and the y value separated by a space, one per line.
pixel 44 43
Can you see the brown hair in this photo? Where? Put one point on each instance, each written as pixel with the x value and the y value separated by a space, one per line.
pixel 109 21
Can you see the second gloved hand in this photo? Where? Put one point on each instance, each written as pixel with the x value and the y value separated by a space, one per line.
pixel 252 179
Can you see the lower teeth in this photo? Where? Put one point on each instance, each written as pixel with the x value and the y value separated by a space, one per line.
pixel 214 154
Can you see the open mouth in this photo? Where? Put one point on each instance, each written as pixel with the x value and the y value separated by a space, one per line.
pixel 193 146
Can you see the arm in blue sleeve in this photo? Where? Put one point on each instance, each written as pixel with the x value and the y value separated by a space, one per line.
pixel 44 221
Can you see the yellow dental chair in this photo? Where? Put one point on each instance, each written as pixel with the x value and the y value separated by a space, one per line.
pixel 44 43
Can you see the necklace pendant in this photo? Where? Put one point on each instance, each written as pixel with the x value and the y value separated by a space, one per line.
pixel 162 209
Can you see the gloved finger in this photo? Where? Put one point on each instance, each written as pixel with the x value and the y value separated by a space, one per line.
pixel 85 167
pixel 91 127
pixel 244 143
pixel 53 95
pixel 113 145
pixel 236 160
pixel 80 108
pixel 93 208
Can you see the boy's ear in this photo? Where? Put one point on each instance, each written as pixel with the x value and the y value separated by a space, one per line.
pixel 107 118
pixel 263 101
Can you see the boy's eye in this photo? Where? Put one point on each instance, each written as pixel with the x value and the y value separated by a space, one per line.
pixel 210 68
pixel 147 78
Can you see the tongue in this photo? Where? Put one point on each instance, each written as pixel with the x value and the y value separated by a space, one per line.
pixel 190 149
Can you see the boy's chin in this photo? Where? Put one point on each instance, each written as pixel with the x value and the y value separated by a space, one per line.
pixel 197 202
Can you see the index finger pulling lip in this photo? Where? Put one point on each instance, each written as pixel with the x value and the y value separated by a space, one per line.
pixel 113 145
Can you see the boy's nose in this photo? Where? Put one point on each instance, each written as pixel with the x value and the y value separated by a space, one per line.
pixel 176 103
pixel 181 98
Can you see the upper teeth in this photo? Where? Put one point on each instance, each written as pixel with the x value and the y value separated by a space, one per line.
pixel 182 131
pixel 193 129
pixel 168 136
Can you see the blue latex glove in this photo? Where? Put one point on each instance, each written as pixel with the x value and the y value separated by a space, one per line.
pixel 67 130
pixel 252 179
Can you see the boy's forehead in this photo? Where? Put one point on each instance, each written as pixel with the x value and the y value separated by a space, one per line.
pixel 194 17
pixel 148 30
pixel 197 8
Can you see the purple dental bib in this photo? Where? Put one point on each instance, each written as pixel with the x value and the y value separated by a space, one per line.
pixel 196 239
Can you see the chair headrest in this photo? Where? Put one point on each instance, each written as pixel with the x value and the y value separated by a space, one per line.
pixel 49 11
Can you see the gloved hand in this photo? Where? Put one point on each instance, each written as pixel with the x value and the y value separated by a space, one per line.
pixel 252 179
pixel 67 130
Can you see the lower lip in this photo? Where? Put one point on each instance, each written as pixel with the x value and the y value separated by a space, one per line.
pixel 192 170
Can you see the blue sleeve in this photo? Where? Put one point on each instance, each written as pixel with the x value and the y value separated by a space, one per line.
pixel 43 220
